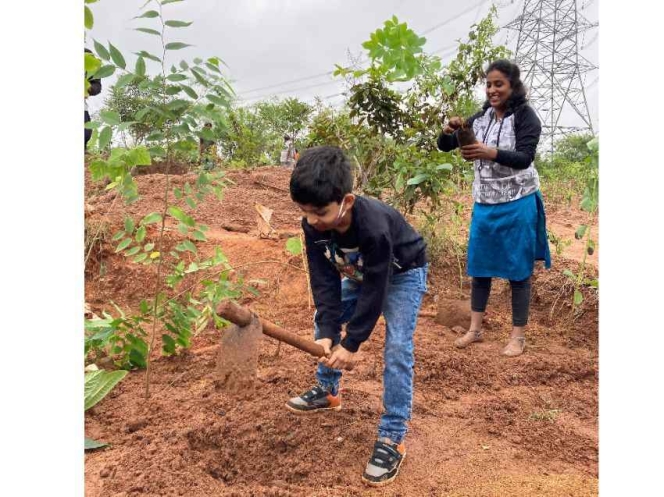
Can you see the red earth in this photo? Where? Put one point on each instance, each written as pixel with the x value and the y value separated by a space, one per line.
pixel 483 424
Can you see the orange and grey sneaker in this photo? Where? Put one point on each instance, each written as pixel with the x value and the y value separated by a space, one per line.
pixel 314 400
pixel 384 463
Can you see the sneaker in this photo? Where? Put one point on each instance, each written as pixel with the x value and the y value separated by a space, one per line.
pixel 383 466
pixel 515 347
pixel 468 338
pixel 315 399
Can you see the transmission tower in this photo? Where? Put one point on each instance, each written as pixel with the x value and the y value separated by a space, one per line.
pixel 547 52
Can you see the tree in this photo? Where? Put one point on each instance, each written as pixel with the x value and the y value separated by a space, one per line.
pixel 128 100
pixel 289 117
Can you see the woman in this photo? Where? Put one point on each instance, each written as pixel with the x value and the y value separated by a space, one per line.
pixel 508 227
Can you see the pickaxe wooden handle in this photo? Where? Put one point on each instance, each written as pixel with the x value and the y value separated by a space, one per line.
pixel 241 316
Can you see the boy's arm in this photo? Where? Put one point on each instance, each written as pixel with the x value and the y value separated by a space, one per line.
pixel 376 276
pixel 325 287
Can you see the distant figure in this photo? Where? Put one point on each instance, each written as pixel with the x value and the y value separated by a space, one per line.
pixel 95 89
pixel 288 153
pixel 208 151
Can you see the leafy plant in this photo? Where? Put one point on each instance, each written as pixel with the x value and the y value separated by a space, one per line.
pixel 590 205
pixel 188 286
pixel 392 134
pixel 98 384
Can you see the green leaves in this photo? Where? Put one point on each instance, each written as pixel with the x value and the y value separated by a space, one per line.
pixel 580 232
pixel 99 383
pixel 589 201
pixel 150 14
pixel 140 234
pixel 177 104
pixel 92 444
pixel 188 245
pixel 177 24
pixel 88 18
pixel 105 71
pixel 105 137
pixel 123 245
pixel 176 45
pixel 578 297
pixel 110 117
pixel 149 31
pixel 140 66
pixel 199 76
pixel 101 50
pixel 418 179
pixel 129 225
pixel 216 100
pixel 138 156
pixel 394 48
pixel 117 57
pixel 168 344
pixel 124 80
pixel 92 63
pixel 294 245
pixel 176 77
pixel 148 55
pixel 179 214
pixel 189 91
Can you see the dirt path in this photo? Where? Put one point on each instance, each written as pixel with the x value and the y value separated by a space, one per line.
pixel 483 425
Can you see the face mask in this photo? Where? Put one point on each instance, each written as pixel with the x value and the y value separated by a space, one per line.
pixel 341 213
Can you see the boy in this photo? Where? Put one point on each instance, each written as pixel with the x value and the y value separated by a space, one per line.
pixel 383 264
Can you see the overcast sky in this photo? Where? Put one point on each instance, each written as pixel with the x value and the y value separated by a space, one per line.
pixel 268 43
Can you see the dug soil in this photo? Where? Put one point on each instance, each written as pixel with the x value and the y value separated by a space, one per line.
pixel 482 424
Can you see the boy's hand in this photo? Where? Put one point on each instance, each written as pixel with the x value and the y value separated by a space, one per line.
pixel 340 359
pixel 326 343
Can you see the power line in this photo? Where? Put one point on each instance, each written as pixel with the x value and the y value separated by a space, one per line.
pixel 329 73
pixel 447 21
pixel 258 97
pixel 448 49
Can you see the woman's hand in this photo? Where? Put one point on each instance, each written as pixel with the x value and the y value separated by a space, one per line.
pixel 453 124
pixel 478 150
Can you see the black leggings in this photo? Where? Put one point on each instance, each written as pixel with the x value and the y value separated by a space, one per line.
pixel 479 297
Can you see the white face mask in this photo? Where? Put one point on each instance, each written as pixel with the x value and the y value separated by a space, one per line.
pixel 341 209
pixel 341 214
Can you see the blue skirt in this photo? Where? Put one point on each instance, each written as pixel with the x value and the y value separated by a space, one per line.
pixel 506 239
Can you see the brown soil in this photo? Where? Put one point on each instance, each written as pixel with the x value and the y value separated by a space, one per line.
pixel 483 424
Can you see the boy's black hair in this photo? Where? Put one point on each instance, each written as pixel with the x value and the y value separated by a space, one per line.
pixel 513 74
pixel 321 176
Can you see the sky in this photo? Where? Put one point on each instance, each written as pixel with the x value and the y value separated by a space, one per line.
pixel 286 48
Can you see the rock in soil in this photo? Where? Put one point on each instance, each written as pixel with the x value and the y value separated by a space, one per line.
pixel 452 313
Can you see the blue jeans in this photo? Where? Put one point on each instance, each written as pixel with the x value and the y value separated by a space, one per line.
pixel 402 305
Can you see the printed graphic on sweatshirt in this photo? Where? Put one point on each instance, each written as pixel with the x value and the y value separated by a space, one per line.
pixel 495 183
pixel 348 261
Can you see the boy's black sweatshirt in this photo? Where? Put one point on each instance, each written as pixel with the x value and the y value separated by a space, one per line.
pixel 386 244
